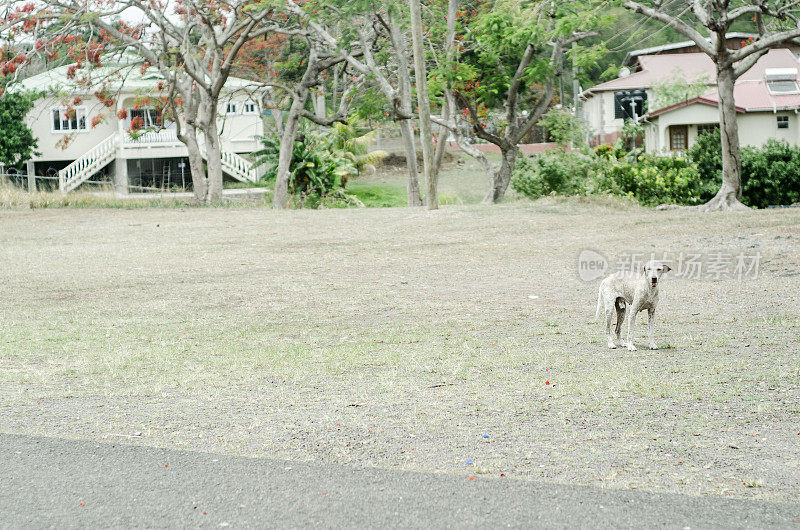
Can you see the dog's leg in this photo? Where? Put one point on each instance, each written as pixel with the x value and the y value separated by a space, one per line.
pixel 633 309
pixel 620 320
pixel 609 319
pixel 651 316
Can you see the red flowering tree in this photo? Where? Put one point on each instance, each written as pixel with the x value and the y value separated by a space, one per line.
pixel 192 45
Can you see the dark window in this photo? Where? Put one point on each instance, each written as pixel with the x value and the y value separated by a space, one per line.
pixel 783 122
pixel 707 128
pixel 629 104
pixel 56 120
pixel 150 117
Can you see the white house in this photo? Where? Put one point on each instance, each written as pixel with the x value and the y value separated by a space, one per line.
pixel 767 99
pixel 84 134
pixel 607 105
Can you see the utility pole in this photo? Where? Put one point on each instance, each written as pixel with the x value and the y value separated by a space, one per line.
pixel 424 102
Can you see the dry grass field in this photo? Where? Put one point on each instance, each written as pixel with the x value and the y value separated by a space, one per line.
pixel 457 341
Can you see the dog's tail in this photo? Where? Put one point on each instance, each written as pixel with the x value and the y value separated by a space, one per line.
pixel 599 303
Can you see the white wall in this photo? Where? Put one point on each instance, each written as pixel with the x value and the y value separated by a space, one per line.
pixel 755 128
pixel 39 119
pixel 238 131
pixel 599 114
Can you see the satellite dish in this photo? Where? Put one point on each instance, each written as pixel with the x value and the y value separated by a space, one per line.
pixel 624 72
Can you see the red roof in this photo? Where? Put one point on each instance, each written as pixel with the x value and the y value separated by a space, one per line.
pixel 703 100
pixel 660 68
pixel 751 92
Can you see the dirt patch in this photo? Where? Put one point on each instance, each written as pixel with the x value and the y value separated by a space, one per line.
pixel 458 341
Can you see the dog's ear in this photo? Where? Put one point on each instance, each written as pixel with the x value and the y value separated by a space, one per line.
pixel 666 268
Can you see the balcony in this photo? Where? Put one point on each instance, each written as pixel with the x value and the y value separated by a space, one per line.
pixel 164 138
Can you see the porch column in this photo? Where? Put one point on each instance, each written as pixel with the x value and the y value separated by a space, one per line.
pixel 121 175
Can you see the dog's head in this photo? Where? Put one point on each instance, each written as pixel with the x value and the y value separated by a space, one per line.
pixel 653 271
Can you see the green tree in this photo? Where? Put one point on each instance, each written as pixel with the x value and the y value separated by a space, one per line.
pixel 17 142
pixel 511 57
pixel 676 89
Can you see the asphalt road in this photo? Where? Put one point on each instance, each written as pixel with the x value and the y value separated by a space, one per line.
pixel 57 483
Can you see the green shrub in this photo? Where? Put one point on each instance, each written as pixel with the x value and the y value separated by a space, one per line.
pixel 553 173
pixel 706 154
pixel 653 180
pixel 771 174
pixel 315 172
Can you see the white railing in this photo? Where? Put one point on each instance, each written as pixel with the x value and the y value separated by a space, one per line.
pixel 236 166
pixel 240 167
pixel 88 164
pixel 164 136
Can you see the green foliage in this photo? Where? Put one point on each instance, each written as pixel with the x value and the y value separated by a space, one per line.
pixel 564 128
pixel 651 180
pixel 706 154
pixel 313 171
pixel 322 163
pixel 553 173
pixel 771 174
pixel 497 34
pixel 676 89
pixel 654 180
pixel 347 142
pixel 17 142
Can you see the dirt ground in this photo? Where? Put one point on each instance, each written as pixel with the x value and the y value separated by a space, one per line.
pixel 456 341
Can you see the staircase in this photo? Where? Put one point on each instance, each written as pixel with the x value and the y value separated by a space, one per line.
pixel 98 156
pixel 88 164
pixel 238 167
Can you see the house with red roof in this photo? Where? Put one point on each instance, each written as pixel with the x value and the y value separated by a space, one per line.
pixel 767 99
pixel 608 105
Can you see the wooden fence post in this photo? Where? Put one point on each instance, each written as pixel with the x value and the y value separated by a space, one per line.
pixel 31 176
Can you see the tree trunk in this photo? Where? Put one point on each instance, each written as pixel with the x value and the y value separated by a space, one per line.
pixel 730 193
pixel 213 161
pixel 424 103
pixel 441 141
pixel 412 187
pixel 281 194
pixel 502 177
pixel 320 108
pixel 448 105
pixel 196 165
pixel 399 48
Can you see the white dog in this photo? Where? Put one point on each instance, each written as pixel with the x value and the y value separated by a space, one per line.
pixel 627 292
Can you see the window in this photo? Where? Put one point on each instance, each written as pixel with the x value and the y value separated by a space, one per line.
pixel 707 128
pixel 783 122
pixel 68 119
pixel 783 87
pixel 677 137
pixel 150 117
pixel 629 104
pixel 232 108
pixel 250 107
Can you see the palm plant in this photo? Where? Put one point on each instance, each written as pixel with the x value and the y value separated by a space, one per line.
pixel 346 141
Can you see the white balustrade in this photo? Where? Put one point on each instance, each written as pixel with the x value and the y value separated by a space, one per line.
pixel 88 164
